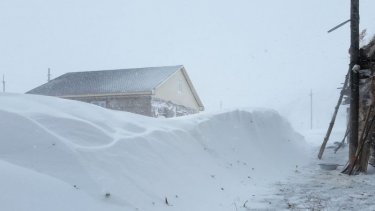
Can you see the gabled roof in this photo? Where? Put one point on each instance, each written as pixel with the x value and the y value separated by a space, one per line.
pixel 120 81
pixel 200 104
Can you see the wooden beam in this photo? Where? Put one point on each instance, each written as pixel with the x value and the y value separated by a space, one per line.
pixel 338 26
pixel 332 123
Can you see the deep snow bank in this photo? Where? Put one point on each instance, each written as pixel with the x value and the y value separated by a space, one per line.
pixel 70 153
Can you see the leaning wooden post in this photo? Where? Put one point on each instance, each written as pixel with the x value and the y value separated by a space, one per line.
pixel 326 138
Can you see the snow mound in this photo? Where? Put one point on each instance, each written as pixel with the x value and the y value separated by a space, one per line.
pixel 85 157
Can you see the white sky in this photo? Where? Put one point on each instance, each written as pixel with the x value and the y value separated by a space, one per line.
pixel 244 53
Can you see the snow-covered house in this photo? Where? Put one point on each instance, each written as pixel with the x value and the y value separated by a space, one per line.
pixel 152 91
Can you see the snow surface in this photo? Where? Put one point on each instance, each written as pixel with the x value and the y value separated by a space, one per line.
pixel 58 154
pixel 312 188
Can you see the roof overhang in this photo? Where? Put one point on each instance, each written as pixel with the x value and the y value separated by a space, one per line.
pixel 107 94
pixel 195 94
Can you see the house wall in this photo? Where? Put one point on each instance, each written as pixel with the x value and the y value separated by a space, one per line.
pixel 145 105
pixel 140 104
pixel 177 90
pixel 163 108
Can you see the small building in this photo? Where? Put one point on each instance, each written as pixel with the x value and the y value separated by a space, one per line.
pixel 152 91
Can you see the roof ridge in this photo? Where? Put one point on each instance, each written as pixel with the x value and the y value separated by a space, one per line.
pixel 136 68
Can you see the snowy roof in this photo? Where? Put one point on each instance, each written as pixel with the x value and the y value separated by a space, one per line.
pixel 124 81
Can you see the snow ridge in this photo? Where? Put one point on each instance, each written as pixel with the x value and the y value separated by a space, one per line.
pixel 117 160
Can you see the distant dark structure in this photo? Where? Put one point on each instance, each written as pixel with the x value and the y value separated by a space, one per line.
pixel 153 91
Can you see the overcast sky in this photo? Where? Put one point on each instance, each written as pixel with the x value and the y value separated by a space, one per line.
pixel 243 53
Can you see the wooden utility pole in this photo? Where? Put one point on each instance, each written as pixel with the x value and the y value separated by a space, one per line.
pixel 49 75
pixel 354 82
pixel 3 83
pixel 311 109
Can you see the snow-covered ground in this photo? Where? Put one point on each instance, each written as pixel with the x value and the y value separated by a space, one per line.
pixel 312 188
pixel 65 155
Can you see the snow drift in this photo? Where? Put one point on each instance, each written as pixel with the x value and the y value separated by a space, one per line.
pixel 58 154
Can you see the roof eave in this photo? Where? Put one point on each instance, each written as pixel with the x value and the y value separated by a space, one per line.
pixel 195 94
pixel 107 94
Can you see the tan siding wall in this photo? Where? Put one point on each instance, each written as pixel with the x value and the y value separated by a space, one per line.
pixel 177 90
pixel 135 104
